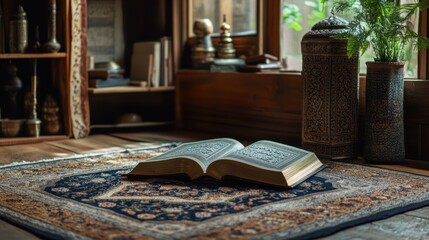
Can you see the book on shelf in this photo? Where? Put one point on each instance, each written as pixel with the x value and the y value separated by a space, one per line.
pixel 145 63
pixel 104 73
pixel 261 67
pixel 152 63
pixel 262 58
pixel 108 82
pixel 264 161
pixel 166 77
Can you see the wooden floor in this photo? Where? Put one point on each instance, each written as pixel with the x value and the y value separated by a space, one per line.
pixel 409 225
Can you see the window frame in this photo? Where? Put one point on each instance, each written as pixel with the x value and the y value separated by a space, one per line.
pixel 423 57
pixel 272 13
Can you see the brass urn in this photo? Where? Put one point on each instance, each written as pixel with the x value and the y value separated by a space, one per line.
pixel 225 47
pixel 203 53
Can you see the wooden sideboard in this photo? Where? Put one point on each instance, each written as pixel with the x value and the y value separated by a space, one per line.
pixel 269 106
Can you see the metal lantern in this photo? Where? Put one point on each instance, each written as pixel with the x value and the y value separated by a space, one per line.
pixel 330 98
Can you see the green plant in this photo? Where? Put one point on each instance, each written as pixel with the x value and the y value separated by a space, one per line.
pixel 382 24
pixel 292 15
pixel 317 13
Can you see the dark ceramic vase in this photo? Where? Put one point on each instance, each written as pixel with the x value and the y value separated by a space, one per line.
pixel 10 86
pixel 384 115
pixel 52 46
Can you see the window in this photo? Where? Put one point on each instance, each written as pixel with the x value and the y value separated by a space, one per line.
pixel 297 18
pixel 284 23
pixel 240 14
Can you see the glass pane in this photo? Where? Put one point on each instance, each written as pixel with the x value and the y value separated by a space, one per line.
pixel 299 16
pixel 240 14
pixel 411 55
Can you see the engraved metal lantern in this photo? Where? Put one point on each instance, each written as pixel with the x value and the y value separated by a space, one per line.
pixel 330 97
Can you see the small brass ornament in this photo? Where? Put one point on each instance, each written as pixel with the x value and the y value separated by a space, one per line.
pixel 30 104
pixel 225 48
pixel 203 52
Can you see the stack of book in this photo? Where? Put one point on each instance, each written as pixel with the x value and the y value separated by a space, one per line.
pixel 261 63
pixel 107 77
pixel 152 63
pixel 226 64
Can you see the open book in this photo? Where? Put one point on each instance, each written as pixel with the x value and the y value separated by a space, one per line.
pixel 264 161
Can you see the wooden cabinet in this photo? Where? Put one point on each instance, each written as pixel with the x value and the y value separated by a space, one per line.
pixel 52 68
pixel 240 105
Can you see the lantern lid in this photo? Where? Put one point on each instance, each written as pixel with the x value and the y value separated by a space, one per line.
pixel 327 27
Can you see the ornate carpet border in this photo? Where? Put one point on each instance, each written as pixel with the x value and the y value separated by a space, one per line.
pixel 317 234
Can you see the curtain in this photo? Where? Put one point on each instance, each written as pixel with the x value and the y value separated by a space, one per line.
pixel 79 104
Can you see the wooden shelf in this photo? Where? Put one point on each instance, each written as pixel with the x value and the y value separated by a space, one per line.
pixel 53 69
pixel 32 55
pixel 26 140
pixel 132 125
pixel 129 89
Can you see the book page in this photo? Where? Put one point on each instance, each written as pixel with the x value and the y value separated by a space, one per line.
pixel 203 152
pixel 268 155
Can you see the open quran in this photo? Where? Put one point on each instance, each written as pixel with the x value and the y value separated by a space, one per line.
pixel 263 161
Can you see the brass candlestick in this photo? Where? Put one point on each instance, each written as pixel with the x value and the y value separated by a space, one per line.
pixel 33 123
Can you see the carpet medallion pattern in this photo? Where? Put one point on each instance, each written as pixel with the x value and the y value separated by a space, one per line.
pixel 88 198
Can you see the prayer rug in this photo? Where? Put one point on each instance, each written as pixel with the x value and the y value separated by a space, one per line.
pixel 88 198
